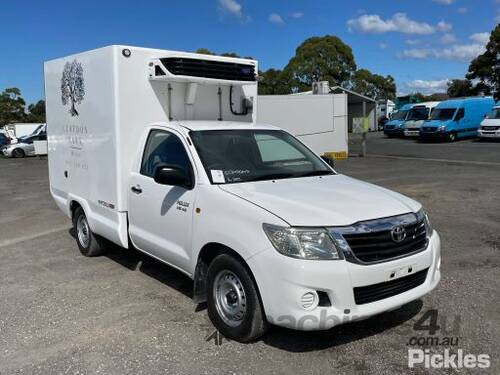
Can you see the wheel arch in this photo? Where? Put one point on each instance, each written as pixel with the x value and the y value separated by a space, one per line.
pixel 206 255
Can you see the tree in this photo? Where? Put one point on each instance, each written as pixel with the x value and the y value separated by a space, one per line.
pixel 275 82
pixel 324 58
pixel 11 106
pixel 373 85
pixel 204 51
pixel 36 112
pixel 460 88
pixel 72 85
pixel 486 67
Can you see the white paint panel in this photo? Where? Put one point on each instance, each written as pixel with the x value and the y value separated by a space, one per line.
pixel 320 121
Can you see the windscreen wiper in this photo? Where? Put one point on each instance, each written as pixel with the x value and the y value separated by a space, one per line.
pixel 271 176
pixel 315 173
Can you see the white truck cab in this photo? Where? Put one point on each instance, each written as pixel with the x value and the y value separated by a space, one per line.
pixel 490 126
pixel 159 151
pixel 416 117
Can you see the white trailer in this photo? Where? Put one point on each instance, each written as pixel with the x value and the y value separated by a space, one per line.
pixel 320 121
pixel 19 130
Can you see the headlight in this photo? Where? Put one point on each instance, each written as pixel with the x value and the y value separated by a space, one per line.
pixel 442 128
pixel 302 243
pixel 428 227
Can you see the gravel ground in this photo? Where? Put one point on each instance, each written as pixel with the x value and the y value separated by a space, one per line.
pixel 124 313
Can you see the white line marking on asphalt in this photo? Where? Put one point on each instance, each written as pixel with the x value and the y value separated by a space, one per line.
pixel 472 162
pixel 14 241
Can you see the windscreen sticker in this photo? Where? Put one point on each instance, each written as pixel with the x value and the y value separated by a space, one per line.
pixel 217 176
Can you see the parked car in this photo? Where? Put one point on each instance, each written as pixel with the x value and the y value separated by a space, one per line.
pixel 4 140
pixel 269 232
pixel 490 126
pixel 456 118
pixel 395 126
pixel 23 147
pixel 416 117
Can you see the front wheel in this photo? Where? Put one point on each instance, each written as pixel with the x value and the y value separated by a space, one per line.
pixel 18 153
pixel 452 137
pixel 234 305
pixel 90 244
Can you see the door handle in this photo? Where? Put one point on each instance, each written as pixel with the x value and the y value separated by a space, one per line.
pixel 136 189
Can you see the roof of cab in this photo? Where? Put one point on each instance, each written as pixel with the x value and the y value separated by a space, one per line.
pixel 219 125
pixel 454 103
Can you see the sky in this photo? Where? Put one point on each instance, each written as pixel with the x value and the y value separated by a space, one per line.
pixel 422 44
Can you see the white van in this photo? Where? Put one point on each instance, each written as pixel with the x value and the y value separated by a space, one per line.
pixel 490 126
pixel 416 117
pixel 159 150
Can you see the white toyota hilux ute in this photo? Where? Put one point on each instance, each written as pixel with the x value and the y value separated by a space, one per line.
pixel 267 230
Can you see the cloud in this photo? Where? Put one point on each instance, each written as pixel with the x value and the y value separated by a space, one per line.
pixel 448 38
pixel 416 53
pixel 462 10
pixel 233 8
pixel 443 26
pixel 275 18
pixel 412 42
pixel 444 2
pixel 481 38
pixel 456 52
pixel 428 87
pixel 297 15
pixel 383 46
pixel 399 22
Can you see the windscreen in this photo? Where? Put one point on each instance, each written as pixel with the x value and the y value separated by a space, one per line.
pixel 418 114
pixel 232 156
pixel 495 114
pixel 443 114
pixel 399 115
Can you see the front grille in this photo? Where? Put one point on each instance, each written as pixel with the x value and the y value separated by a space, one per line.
pixel 209 69
pixel 376 246
pixel 376 292
pixel 490 127
pixel 429 129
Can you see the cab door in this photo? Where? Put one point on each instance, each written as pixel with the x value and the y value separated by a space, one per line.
pixel 160 216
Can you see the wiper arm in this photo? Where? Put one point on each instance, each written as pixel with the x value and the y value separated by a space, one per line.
pixel 315 173
pixel 271 176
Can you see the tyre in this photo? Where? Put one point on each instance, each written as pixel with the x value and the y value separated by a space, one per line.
pixel 18 153
pixel 452 137
pixel 90 244
pixel 233 302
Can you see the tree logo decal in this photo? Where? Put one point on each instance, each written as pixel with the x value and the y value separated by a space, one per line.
pixel 72 85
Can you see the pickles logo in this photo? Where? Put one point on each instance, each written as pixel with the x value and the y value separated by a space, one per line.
pixel 72 85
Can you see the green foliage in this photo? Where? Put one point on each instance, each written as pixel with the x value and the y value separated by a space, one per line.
pixel 460 87
pixel 275 82
pixel 36 112
pixel 373 85
pixel 324 58
pixel 12 108
pixel 486 67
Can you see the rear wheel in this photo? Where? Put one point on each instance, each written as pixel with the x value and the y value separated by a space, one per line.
pixel 90 244
pixel 18 153
pixel 234 305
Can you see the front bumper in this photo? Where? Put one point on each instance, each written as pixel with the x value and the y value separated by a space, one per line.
pixel 6 151
pixel 394 131
pixel 411 132
pixel 283 281
pixel 488 134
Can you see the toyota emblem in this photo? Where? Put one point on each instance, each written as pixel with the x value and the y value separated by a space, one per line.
pixel 398 234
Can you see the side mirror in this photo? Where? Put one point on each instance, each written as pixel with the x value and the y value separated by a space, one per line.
pixel 328 160
pixel 173 176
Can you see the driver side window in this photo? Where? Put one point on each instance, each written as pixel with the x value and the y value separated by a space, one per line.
pixel 460 114
pixel 163 148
